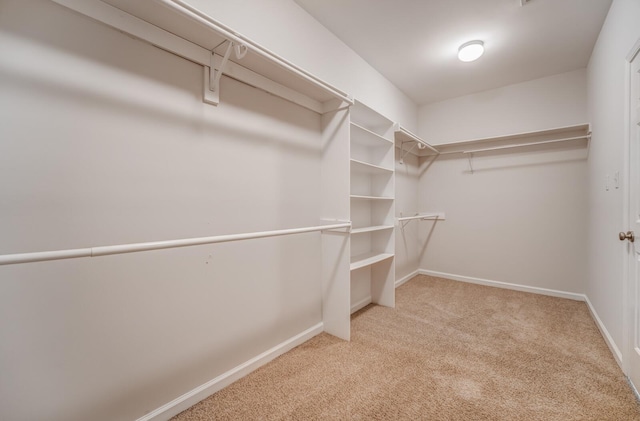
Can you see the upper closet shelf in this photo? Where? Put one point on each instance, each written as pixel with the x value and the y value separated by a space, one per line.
pixel 177 27
pixel 577 134
pixel 415 144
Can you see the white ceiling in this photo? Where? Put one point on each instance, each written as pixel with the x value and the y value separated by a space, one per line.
pixel 414 43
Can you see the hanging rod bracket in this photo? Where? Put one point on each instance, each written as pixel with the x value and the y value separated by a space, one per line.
pixel 211 95
pixel 342 230
pixel 212 78
pixel 403 155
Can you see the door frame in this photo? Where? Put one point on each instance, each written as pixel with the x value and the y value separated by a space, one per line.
pixel 628 289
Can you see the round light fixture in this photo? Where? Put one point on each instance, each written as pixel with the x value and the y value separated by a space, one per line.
pixel 470 51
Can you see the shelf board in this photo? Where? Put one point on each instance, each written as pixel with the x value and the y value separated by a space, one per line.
pixel 366 168
pixel 366 137
pixel 360 197
pixel 515 139
pixel 371 229
pixel 368 259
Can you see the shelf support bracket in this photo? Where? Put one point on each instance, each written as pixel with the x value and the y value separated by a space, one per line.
pixel 471 162
pixel 212 78
pixel 403 155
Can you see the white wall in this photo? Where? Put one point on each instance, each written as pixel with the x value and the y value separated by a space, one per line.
pixel 520 217
pixel 288 30
pixel 606 87
pixel 554 101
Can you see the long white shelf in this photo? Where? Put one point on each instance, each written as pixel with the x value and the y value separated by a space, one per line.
pixel 360 197
pixel 367 168
pixel 371 229
pixel 516 140
pixel 179 28
pixel 368 259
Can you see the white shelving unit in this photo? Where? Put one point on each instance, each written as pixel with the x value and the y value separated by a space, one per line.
pixel 372 208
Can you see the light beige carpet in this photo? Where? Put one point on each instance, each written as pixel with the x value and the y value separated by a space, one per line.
pixel 448 351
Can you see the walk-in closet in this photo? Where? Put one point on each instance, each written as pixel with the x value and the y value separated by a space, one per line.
pixel 293 209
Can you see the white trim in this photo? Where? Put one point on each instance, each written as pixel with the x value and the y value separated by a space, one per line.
pixel 605 333
pixel 627 290
pixel 633 388
pixel 504 285
pixel 627 296
pixel 634 51
pixel 194 396
pixel 406 278
pixel 361 304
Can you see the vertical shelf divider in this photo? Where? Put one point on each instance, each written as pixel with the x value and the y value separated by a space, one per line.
pixel 372 208
pixel 335 206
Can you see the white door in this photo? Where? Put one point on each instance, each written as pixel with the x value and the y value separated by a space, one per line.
pixel 632 351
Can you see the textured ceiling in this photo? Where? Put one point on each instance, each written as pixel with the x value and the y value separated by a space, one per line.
pixel 414 43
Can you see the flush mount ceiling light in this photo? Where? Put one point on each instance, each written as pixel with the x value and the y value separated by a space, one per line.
pixel 470 51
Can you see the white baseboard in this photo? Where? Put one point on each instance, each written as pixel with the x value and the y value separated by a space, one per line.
pixel 633 388
pixel 406 278
pixel 194 396
pixel 504 285
pixel 605 333
pixel 361 304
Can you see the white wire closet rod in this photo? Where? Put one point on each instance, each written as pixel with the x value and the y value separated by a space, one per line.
pixel 10 259
pixel 521 145
pixel 420 216
pixel 194 14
